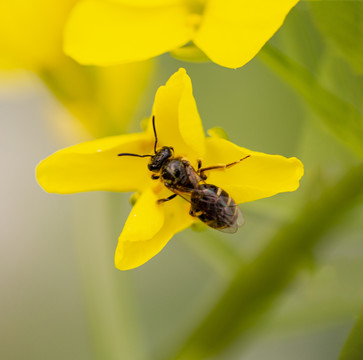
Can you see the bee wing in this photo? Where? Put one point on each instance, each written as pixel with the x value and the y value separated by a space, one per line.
pixel 231 224
pixel 183 194
pixel 238 223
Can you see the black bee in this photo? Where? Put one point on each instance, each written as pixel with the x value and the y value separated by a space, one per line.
pixel 211 204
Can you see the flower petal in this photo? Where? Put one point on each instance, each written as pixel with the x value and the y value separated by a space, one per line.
pixel 148 229
pixel 104 33
pixel 177 119
pixel 31 32
pixel 147 3
pixel 256 177
pixel 233 31
pixel 94 165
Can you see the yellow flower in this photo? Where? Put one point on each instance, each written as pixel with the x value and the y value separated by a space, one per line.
pixel 229 32
pixel 31 38
pixel 31 32
pixel 95 166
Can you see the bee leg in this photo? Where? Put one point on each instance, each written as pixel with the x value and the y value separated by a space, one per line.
pixel 195 212
pixel 201 171
pixel 171 197
pixel 155 177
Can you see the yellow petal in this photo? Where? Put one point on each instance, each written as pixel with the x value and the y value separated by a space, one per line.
pixel 148 229
pixel 256 177
pixel 147 3
pixel 94 165
pixel 104 33
pixel 177 119
pixel 30 31
pixel 233 31
pixel 103 99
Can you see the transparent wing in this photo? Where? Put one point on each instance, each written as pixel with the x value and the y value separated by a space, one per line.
pixel 217 209
pixel 184 194
pixel 238 222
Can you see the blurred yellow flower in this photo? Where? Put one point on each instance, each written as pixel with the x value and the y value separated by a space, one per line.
pixel 95 166
pixel 31 38
pixel 102 99
pixel 229 32
pixel 31 32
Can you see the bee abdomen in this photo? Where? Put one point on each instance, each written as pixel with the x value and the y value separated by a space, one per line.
pixel 214 206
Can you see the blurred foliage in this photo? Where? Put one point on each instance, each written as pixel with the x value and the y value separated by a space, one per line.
pixel 353 348
pixel 343 118
pixel 342 23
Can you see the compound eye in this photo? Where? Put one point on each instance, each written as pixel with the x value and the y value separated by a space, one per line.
pixel 153 167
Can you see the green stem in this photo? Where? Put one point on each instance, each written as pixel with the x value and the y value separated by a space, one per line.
pixel 344 120
pixel 255 285
pixel 353 348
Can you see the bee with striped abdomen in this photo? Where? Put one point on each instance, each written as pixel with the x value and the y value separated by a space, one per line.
pixel 209 203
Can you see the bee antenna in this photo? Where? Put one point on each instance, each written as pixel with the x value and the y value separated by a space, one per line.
pixel 156 137
pixel 137 155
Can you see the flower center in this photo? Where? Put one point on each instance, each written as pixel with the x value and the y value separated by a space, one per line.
pixel 193 21
pixel 195 9
pixel 195 6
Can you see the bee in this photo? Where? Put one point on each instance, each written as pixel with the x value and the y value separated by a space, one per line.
pixel 209 203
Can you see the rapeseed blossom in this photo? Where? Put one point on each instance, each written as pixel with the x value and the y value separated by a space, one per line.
pixel 31 39
pixel 31 33
pixel 94 165
pixel 228 32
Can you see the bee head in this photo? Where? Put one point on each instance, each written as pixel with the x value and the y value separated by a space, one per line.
pixel 160 157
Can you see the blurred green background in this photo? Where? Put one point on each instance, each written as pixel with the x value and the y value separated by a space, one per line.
pixel 62 298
